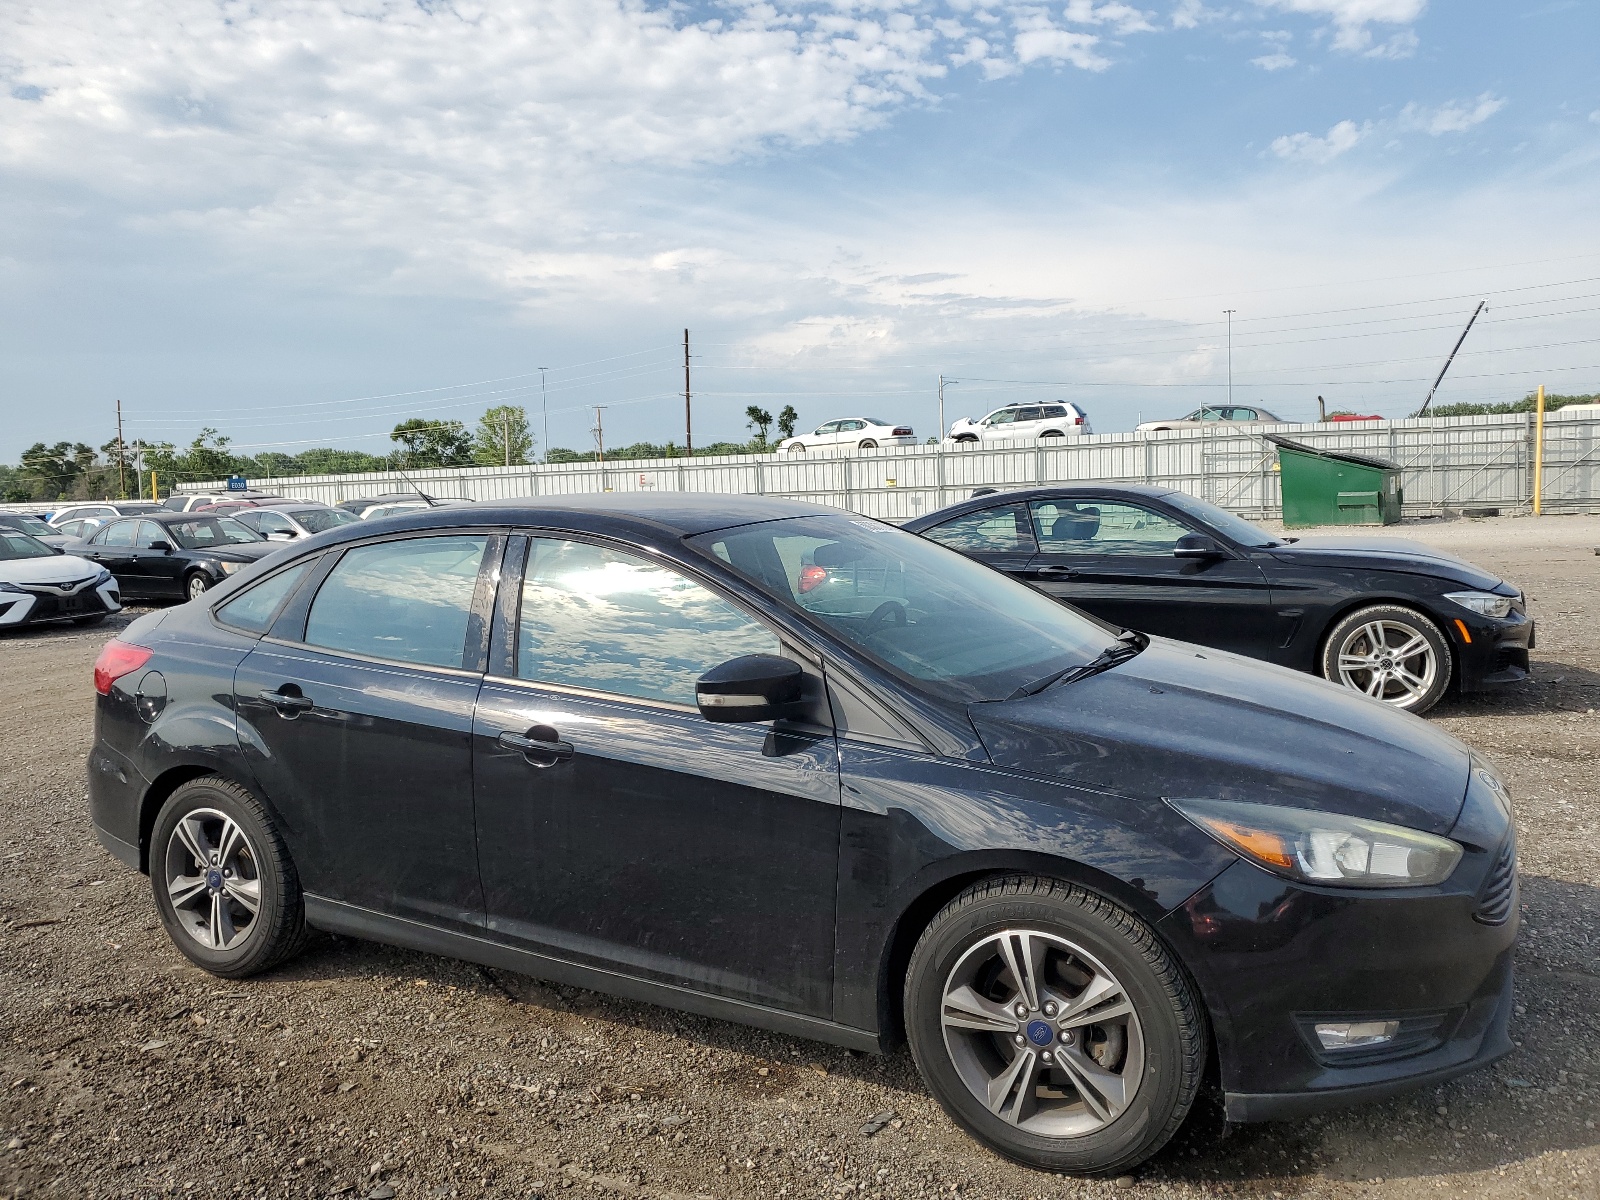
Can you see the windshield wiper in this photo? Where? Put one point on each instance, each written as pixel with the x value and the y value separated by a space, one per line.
pixel 1128 644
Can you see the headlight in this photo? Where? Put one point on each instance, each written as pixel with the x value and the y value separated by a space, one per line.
pixel 228 568
pixel 1486 603
pixel 10 587
pixel 1317 847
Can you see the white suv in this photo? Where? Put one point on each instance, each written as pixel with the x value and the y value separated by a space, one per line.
pixel 1016 421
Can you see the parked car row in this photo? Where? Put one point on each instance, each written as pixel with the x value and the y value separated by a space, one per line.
pixel 785 765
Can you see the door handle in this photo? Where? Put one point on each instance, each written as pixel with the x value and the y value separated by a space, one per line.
pixel 288 704
pixel 1054 572
pixel 537 752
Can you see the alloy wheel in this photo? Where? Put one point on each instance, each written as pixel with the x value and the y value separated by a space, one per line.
pixel 213 878
pixel 197 586
pixel 1389 661
pixel 1042 1033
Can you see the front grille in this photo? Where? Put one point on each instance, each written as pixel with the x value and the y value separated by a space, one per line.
pixel 1500 889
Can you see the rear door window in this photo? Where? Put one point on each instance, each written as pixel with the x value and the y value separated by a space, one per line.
pixel 408 600
pixel 118 533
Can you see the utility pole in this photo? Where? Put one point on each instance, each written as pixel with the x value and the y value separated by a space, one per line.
pixel 544 404
pixel 942 382
pixel 599 430
pixel 1423 411
pixel 122 456
pixel 505 428
pixel 1230 313
pixel 688 414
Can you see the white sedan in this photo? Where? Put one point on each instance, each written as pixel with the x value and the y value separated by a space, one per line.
pixel 863 433
pixel 1016 421
pixel 38 583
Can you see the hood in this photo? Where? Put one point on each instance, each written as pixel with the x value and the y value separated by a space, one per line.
pixel 1186 722
pixel 1387 554
pixel 58 568
pixel 246 551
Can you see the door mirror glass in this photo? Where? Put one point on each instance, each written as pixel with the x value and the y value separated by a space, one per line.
pixel 752 687
pixel 1197 545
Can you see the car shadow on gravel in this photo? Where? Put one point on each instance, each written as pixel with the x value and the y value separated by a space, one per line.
pixel 1554 686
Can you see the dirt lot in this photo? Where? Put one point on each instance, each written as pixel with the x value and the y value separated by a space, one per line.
pixel 364 1071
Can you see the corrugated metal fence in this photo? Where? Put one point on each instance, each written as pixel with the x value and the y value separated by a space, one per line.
pixel 1448 463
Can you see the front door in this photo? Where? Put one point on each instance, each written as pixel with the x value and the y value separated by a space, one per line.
pixel 356 717
pixel 160 572
pixel 1115 559
pixel 619 828
pixel 999 537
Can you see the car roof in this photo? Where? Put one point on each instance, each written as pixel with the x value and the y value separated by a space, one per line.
pixel 1058 491
pixel 647 517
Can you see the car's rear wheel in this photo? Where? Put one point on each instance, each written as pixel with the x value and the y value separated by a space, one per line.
pixel 1054 1025
pixel 1052 433
pixel 867 444
pixel 196 585
pixel 224 884
pixel 1391 653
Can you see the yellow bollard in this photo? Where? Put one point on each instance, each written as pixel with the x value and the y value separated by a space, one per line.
pixel 154 495
pixel 1538 452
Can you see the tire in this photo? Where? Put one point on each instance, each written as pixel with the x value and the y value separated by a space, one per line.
pixel 967 440
pixel 196 585
pixel 208 917
pixel 867 444
pixel 1148 1050
pixel 1352 656
pixel 1052 433
pixel 797 448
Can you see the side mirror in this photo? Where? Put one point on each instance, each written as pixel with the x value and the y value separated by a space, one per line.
pixel 1197 545
pixel 161 544
pixel 753 687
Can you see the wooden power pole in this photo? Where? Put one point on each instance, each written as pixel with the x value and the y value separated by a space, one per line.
pixel 122 456
pixel 688 415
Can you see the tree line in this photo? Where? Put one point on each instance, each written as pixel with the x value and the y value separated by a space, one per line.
pixel 77 471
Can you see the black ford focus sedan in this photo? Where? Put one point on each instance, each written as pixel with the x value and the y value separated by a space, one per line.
pixel 1397 620
pixel 655 746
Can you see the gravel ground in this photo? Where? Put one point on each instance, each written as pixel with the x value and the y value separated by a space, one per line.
pixel 363 1071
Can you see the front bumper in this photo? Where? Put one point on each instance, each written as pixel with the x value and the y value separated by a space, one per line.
pixel 38 603
pixel 1273 958
pixel 1492 650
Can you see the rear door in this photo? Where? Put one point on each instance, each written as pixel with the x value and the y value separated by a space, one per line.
pixel 356 716
pixel 112 547
pixel 1114 558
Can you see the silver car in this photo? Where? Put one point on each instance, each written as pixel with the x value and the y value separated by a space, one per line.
pixel 286 522
pixel 1215 414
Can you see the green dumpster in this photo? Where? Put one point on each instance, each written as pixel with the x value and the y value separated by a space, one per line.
pixel 1335 487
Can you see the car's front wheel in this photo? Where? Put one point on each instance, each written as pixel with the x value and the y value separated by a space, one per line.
pixel 196 586
pixel 1054 1025
pixel 1391 653
pixel 796 447
pixel 224 884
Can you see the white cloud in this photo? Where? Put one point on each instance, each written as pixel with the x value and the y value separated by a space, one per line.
pixel 1351 19
pixel 1458 116
pixel 1305 147
pixel 1190 13
pixel 1038 39
pixel 1276 61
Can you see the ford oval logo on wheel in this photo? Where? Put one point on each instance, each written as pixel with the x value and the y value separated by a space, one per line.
pixel 1039 1033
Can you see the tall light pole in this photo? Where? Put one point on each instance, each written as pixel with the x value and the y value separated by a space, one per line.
pixel 1230 313
pixel 544 404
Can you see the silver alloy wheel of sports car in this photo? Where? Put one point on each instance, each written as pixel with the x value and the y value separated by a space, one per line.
pixel 212 878
pixel 198 585
pixel 1389 661
pixel 1042 1033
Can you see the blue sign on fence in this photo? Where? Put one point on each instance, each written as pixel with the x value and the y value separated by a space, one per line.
pixel 238 483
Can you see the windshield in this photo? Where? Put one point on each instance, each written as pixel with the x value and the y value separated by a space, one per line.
pixel 318 519
pixel 935 616
pixel 1235 529
pixel 34 526
pixel 207 533
pixel 14 544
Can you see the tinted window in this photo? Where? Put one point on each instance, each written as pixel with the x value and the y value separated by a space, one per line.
pixel 594 618
pixel 268 523
pixel 1029 414
pixel 1237 529
pixel 204 533
pixel 29 524
pixel 1104 527
pixel 150 533
pixel 1004 417
pixel 15 544
pixel 935 616
pixel 989 530
pixel 407 600
pixel 254 609
pixel 1055 410
pixel 118 533
pixel 318 519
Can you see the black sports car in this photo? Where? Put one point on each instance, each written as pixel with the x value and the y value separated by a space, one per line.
pixel 1398 620
pixel 615 741
pixel 168 554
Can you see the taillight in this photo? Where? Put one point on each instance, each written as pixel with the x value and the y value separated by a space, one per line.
pixel 902 431
pixel 810 577
pixel 1077 420
pixel 115 661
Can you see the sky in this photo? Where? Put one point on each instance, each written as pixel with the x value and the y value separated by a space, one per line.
pixel 300 221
